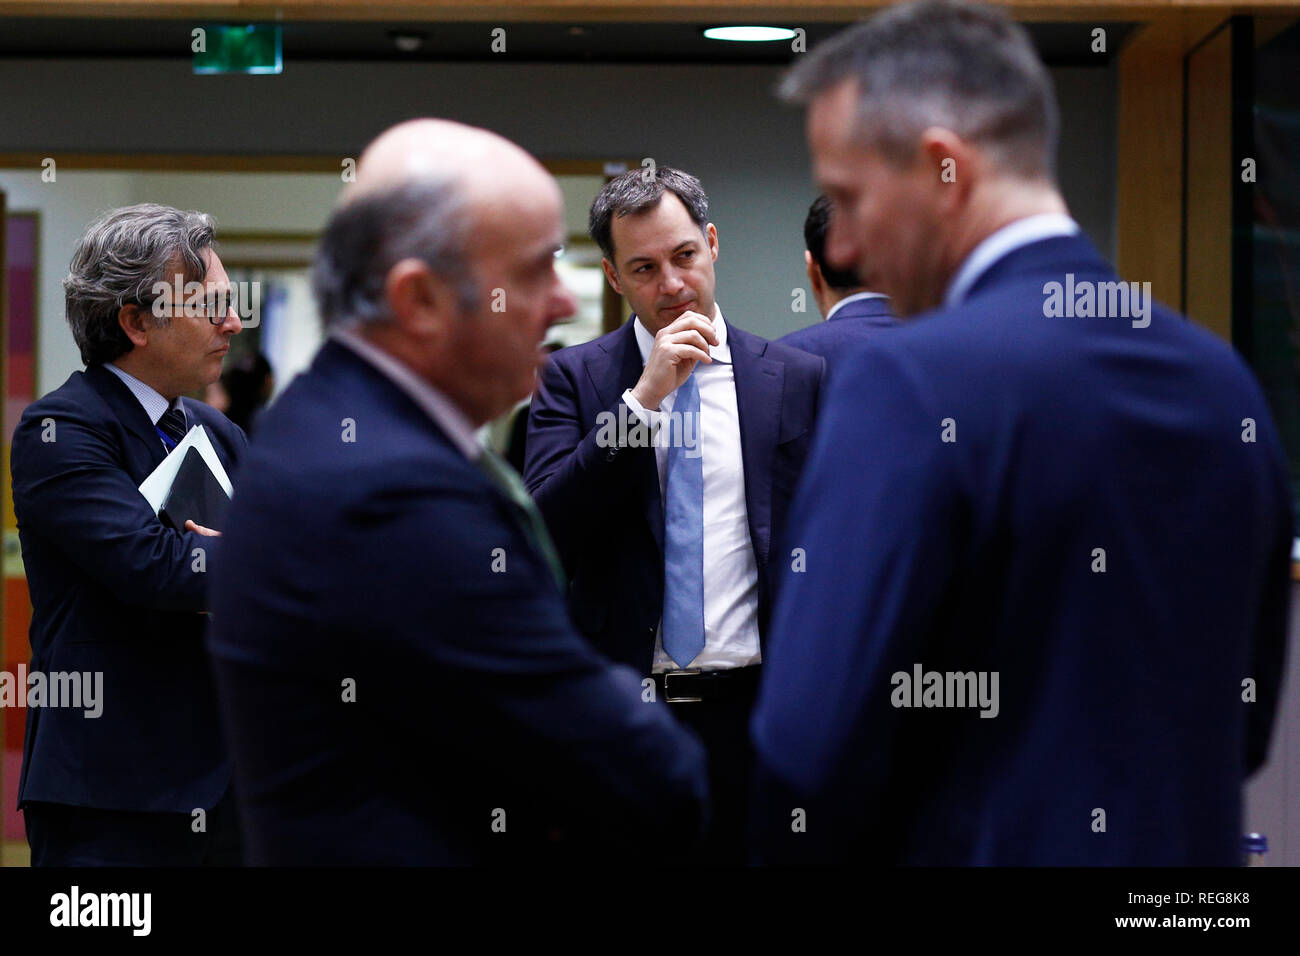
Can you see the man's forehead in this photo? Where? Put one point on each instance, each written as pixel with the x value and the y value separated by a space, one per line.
pixel 833 115
pixel 214 273
pixel 537 208
pixel 661 227
pixel 518 231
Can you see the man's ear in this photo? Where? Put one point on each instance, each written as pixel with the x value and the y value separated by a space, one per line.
pixel 711 236
pixel 419 301
pixel 611 275
pixel 814 271
pixel 954 163
pixel 134 324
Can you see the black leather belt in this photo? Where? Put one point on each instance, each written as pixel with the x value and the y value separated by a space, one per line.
pixel 695 686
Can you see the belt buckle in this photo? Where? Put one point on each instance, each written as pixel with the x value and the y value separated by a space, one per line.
pixel 668 695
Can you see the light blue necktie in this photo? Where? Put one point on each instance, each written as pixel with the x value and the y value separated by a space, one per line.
pixel 683 624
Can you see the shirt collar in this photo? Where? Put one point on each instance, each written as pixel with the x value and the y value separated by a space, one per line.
pixel 431 401
pixel 855 297
pixel 1010 237
pixel 150 399
pixel 645 340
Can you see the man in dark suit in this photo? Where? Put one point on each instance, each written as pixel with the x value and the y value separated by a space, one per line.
pixel 663 456
pixel 1029 632
pixel 852 312
pixel 401 680
pixel 115 592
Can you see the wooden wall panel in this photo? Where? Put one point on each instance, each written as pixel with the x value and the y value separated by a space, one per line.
pixel 1210 176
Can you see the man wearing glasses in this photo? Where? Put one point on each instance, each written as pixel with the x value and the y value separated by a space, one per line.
pixel 125 765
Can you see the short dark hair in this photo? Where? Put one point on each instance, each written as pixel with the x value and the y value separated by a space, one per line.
pixel 123 255
pixel 638 190
pixel 814 237
pixel 366 236
pixel 964 66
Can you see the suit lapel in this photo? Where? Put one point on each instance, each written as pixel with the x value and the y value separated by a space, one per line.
pixel 759 386
pixel 130 413
pixel 612 371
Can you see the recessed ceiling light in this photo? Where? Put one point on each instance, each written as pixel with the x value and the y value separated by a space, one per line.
pixel 408 41
pixel 749 34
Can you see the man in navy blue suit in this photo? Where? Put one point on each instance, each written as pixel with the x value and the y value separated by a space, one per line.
pixel 401 681
pixel 118 598
pixel 663 456
pixel 1030 630
pixel 852 312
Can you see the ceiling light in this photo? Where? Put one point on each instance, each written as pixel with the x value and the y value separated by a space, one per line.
pixel 749 34
pixel 407 42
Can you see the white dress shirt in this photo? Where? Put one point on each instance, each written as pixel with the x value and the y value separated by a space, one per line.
pixel 1006 240
pixel 730 568
pixel 150 399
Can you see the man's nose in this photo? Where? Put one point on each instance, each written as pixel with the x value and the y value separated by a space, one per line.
pixel 672 282
pixel 566 303
pixel 231 325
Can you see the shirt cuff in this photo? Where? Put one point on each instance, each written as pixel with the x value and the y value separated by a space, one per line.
pixel 646 416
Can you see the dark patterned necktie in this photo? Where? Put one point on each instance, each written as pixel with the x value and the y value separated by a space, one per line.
pixel 172 425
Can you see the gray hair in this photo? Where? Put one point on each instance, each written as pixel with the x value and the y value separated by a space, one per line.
pixel 429 220
pixel 119 260
pixel 633 192
pixel 963 66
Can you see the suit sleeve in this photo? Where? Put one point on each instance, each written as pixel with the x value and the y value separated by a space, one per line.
pixel 876 515
pixel 574 473
pixel 72 491
pixel 482 628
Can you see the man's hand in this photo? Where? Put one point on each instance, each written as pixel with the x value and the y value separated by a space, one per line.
pixel 678 346
pixel 206 532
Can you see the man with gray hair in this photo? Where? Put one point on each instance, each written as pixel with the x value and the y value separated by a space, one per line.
pixel 401 680
pixel 1027 634
pixel 116 592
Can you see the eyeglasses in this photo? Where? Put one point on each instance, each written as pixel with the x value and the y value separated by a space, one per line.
pixel 215 307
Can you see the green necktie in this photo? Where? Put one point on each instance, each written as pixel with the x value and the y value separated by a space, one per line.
pixel 508 480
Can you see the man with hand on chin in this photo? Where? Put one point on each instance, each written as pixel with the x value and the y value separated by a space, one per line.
pixel 663 456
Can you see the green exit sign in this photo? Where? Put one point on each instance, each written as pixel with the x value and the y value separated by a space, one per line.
pixel 252 48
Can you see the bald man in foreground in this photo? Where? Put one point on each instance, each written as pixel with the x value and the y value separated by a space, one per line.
pixel 400 679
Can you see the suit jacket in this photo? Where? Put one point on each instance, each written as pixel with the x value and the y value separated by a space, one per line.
pixel 392 565
pixel 115 591
pixel 603 505
pixel 1067 502
pixel 839 337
